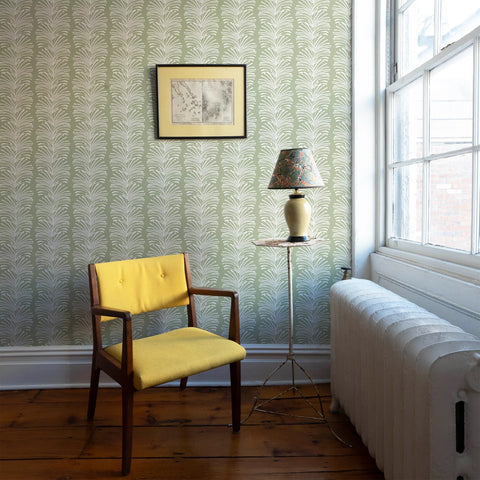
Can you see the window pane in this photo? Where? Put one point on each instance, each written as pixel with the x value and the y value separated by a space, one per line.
pixel 451 202
pixel 408 122
pixel 459 17
pixel 416 34
pixel 451 106
pixel 407 215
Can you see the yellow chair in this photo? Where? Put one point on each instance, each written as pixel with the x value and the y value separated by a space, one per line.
pixel 125 288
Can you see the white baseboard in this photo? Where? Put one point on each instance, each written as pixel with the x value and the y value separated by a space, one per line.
pixel 69 367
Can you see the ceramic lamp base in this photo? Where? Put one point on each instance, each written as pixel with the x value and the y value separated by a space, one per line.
pixel 297 214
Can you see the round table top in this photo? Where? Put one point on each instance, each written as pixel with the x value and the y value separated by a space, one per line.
pixel 280 242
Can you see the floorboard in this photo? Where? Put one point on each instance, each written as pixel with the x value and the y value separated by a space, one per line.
pixel 44 434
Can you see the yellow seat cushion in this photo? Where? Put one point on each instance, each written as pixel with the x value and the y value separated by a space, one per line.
pixel 177 354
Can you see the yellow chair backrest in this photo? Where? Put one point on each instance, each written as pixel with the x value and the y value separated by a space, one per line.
pixel 144 284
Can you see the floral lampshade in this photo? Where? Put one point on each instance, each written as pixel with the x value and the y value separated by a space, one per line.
pixel 295 168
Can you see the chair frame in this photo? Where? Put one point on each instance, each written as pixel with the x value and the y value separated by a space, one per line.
pixel 123 372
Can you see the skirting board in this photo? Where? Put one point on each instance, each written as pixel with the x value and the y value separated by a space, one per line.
pixel 69 367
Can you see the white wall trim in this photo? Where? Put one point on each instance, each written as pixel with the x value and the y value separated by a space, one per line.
pixel 430 297
pixel 69 367
pixel 450 297
pixel 368 48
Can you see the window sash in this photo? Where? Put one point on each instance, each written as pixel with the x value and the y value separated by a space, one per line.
pixel 422 74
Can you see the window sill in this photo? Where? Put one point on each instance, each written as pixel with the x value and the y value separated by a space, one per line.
pixel 448 290
pixel 469 274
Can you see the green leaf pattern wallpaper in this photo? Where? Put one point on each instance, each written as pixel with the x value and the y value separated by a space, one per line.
pixel 83 178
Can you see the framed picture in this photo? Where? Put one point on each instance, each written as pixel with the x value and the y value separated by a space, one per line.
pixel 201 101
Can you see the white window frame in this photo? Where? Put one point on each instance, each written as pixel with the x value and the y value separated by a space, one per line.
pixel 450 290
pixel 468 259
pixel 370 44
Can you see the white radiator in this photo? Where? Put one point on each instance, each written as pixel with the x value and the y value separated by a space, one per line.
pixel 409 382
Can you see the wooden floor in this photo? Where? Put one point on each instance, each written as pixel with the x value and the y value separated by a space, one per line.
pixel 44 434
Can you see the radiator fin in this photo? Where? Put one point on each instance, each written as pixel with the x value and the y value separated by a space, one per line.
pixel 409 382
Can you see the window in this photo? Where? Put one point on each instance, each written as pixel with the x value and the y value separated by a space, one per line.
pixel 433 130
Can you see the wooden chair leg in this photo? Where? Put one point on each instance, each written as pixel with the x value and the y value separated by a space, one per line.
pixel 235 387
pixel 92 396
pixel 127 428
pixel 183 383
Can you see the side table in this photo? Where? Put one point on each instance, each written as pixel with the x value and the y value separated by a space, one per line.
pixel 259 403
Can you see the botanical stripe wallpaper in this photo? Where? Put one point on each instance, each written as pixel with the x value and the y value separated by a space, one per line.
pixel 83 178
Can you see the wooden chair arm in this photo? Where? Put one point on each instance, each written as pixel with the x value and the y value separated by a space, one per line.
pixel 234 327
pixel 213 292
pixel 111 312
pixel 127 340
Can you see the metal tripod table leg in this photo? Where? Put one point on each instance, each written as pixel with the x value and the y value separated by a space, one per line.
pixel 258 405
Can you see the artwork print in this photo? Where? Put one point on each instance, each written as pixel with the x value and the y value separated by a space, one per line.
pixel 202 101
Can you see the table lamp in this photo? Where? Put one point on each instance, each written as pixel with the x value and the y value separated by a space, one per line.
pixel 296 169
